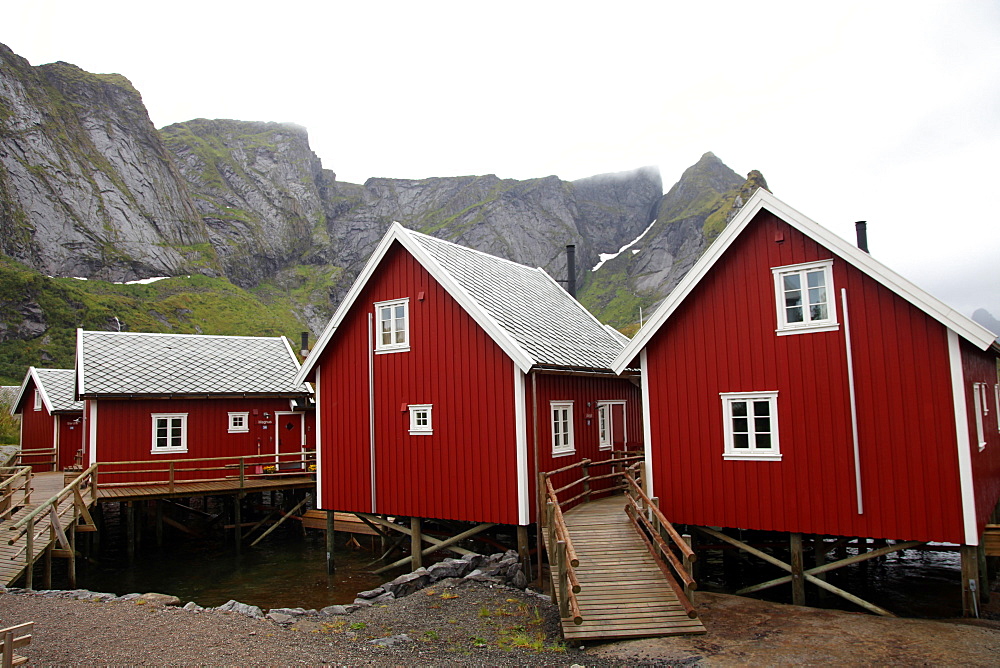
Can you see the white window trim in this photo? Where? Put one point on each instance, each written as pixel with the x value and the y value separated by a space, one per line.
pixel 183 446
pixel 418 429
pixel 570 447
pixel 829 324
pixel 239 429
pixel 610 437
pixel 380 347
pixel 996 401
pixel 38 399
pixel 979 402
pixel 771 455
pixel 604 439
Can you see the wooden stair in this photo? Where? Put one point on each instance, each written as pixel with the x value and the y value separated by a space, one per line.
pixel 623 593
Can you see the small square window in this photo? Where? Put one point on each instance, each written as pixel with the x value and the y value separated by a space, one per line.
pixel 169 432
pixel 562 428
pixel 805 298
pixel 750 422
pixel 393 326
pixel 239 423
pixel 420 419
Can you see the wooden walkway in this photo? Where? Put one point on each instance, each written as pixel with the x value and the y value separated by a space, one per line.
pixel 623 594
pixel 12 557
pixel 207 488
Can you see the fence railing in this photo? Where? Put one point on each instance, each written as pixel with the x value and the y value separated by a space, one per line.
pixel 672 553
pixel 15 489
pixel 204 469
pixel 61 516
pixel 43 458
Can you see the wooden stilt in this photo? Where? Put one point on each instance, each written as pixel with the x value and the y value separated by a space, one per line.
pixel 416 543
pixel 984 574
pixel 689 565
pixel 47 572
pixel 237 519
pixel 159 523
pixel 798 581
pixel 970 580
pixel 330 565
pixel 71 566
pixel 130 531
pixel 523 550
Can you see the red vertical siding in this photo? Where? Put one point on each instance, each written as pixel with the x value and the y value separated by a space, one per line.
pixel 37 430
pixel 70 438
pixel 585 392
pixel 722 339
pixel 981 367
pixel 124 433
pixel 466 470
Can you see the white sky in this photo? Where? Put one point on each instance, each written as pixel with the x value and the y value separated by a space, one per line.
pixel 885 111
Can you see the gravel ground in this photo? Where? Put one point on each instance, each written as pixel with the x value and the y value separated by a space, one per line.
pixel 461 622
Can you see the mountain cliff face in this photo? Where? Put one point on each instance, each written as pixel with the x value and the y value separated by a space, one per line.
pixel 89 188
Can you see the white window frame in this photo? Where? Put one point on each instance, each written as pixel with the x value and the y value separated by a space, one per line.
pixel 170 417
pixel 394 347
pixel 604 438
pixel 828 324
pixel 979 402
pixel 38 399
pixel 752 453
pixel 417 429
pixel 241 416
pixel 563 442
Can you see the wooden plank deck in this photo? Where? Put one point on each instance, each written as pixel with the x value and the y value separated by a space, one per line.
pixel 623 594
pixel 12 557
pixel 196 488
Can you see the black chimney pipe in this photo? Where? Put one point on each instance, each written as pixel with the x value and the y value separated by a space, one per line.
pixel 862 229
pixel 571 269
pixel 305 344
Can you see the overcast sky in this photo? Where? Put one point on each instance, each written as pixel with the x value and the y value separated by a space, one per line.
pixel 884 111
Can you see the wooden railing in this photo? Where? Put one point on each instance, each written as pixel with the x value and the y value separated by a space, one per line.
pixel 48 455
pixel 15 479
pixel 78 516
pixel 11 638
pixel 216 469
pixel 661 538
pixel 562 554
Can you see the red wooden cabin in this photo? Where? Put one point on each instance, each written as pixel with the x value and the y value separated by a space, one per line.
pixel 159 398
pixel 50 419
pixel 448 377
pixel 794 383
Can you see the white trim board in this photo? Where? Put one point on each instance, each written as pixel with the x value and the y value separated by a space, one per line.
pixel 762 199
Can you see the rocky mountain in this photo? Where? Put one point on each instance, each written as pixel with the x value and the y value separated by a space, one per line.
pixel 89 188
pixel 986 319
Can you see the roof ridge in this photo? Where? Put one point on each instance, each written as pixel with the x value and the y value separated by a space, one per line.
pixel 496 258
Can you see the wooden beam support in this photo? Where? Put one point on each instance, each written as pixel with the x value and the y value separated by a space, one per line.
pixel 970 581
pixel 447 544
pixel 283 518
pixel 331 567
pixel 798 581
pixel 416 544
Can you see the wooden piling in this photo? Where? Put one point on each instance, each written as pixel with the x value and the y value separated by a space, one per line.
pixel 237 519
pixel 970 580
pixel 796 562
pixel 130 531
pixel 416 543
pixel 330 565
pixel 159 523
pixel 523 550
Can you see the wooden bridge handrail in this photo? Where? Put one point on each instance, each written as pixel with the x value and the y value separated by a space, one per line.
pixel 17 478
pixel 662 519
pixel 560 525
pixel 304 457
pixel 54 501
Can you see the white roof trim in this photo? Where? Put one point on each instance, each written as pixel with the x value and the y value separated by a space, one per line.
pixel 79 361
pixel 762 199
pixel 33 376
pixel 397 232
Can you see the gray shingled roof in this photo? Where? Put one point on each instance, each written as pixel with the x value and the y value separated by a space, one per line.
pixel 59 386
pixel 128 363
pixel 8 393
pixel 552 327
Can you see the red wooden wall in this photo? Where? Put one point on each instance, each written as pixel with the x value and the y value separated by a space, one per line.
pixel 37 431
pixel 124 433
pixel 722 339
pixel 70 438
pixel 585 392
pixel 981 367
pixel 466 470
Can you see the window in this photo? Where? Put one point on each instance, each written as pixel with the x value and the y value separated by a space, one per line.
pixel 38 400
pixel 239 423
pixel 805 298
pixel 420 419
pixel 169 432
pixel 751 425
pixel 562 428
pixel 393 333
pixel 604 426
pixel 979 400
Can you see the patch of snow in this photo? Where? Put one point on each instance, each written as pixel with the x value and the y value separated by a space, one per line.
pixel 79 278
pixel 142 281
pixel 610 256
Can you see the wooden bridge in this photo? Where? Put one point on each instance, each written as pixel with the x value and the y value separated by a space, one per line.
pixel 618 568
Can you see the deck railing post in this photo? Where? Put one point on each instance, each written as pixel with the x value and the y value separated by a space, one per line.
pixel 171 477
pixel 688 566
pixel 243 465
pixel 29 555
pixel 586 478
pixel 550 524
pixel 563 579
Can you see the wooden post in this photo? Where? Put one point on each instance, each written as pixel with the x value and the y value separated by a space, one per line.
pixel 798 580
pixel 563 579
pixel 970 580
pixel 29 556
pixel 47 572
pixel 237 520
pixel 586 478
pixel 71 566
pixel 539 521
pixel 159 523
pixel 416 543
pixel 984 573
pixel 523 550
pixel 130 530
pixel 330 566
pixel 689 566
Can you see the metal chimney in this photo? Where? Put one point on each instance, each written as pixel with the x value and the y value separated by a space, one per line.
pixel 305 344
pixel 571 269
pixel 862 229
